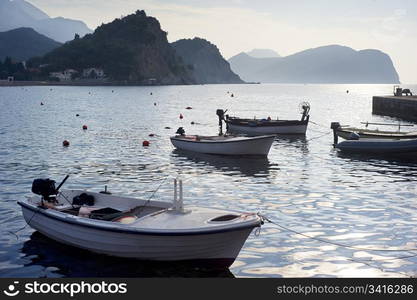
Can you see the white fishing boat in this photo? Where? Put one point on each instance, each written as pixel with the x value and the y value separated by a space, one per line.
pixel 346 132
pixel 224 144
pixel 267 125
pixel 140 229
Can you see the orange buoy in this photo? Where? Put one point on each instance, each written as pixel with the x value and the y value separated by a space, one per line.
pixel 65 143
pixel 145 143
pixel 151 134
pixel 181 116
pixel 85 127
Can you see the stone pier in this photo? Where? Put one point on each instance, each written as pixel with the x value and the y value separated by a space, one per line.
pixel 403 107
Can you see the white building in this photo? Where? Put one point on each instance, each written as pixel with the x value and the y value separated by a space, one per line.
pixel 96 73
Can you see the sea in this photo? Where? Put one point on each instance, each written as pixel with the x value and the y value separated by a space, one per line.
pixel 333 214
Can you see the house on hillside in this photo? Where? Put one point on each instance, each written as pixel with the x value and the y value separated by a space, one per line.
pixel 93 73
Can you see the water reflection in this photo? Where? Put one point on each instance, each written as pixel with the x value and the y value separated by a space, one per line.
pixel 233 166
pixel 65 260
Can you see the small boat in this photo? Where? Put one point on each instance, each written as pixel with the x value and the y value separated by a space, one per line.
pixel 140 229
pixel 357 144
pixel 346 132
pixel 224 144
pixel 266 126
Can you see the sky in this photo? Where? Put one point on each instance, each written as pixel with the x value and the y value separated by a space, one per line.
pixel 286 26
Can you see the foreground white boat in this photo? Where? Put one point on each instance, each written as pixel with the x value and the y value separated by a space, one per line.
pixel 225 144
pixel 145 230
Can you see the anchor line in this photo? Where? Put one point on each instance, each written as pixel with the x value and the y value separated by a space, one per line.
pixel 264 218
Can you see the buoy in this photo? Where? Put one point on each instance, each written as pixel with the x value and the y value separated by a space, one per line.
pixel 167 127
pixel 347 91
pixel 41 103
pixel 65 143
pixel 112 91
pixel 188 107
pixel 269 118
pixel 192 123
pixel 181 116
pixel 151 134
pixel 145 143
pixel 151 93
pixel 232 95
pixel 154 103
pixel 77 115
pixel 85 127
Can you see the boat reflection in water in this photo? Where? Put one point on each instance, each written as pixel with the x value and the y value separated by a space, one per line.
pixel 233 166
pixel 67 261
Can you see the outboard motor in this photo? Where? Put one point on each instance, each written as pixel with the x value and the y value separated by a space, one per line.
pixel 45 188
pixel 180 131
pixel 220 113
pixel 335 126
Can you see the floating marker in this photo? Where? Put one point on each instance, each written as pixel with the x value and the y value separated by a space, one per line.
pixel 181 116
pixel 65 143
pixel 167 127
pixel 145 143
pixel 77 115
pixel 41 103
pixel 192 123
pixel 151 134
pixel 188 107
pixel 154 103
pixel 85 127
pixel 232 95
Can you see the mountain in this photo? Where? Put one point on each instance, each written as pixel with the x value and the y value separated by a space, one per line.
pixel 132 49
pixel 205 61
pixel 327 64
pixel 262 53
pixel 20 13
pixel 23 43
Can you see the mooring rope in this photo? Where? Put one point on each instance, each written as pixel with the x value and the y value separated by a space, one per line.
pixel 335 243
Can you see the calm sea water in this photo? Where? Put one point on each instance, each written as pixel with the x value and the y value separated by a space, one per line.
pixel 304 184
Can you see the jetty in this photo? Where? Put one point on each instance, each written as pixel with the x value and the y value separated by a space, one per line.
pixel 397 105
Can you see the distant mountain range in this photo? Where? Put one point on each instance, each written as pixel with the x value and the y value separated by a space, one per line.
pixel 262 53
pixel 20 13
pixel 327 64
pixel 206 63
pixel 24 43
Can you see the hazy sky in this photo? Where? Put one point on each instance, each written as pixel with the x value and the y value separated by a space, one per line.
pixel 286 26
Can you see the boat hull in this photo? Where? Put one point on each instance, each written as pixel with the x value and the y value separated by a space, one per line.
pixel 262 130
pixel 378 146
pixel 258 146
pixel 221 248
